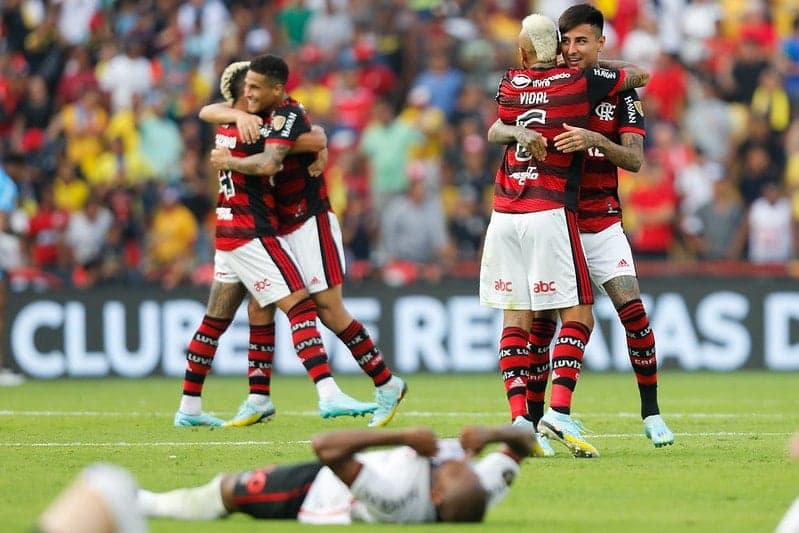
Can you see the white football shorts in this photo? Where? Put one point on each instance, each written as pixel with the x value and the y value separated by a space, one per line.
pixel 608 255
pixel 534 261
pixel 319 250
pixel 265 266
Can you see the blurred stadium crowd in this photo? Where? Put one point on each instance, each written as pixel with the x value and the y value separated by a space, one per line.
pixel 99 102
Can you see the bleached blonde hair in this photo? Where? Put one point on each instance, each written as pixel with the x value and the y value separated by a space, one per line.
pixel 229 75
pixel 543 35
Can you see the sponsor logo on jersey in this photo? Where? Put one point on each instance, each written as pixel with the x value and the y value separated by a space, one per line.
pixel 622 264
pixel 278 122
pixel 520 81
pixel 558 76
pixel 522 177
pixel 224 213
pixel 634 109
pixel 265 131
pixel 225 141
pixel 605 111
pixel 543 286
pixel 503 286
pixel 289 124
pixel 605 73
pixel 315 281
pixel 533 98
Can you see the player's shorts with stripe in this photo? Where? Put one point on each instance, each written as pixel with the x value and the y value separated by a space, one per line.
pixel 319 249
pixel 534 261
pixel 265 266
pixel 274 491
pixel 608 255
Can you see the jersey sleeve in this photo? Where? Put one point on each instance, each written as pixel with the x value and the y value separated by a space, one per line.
pixel 504 97
pixel 603 82
pixel 631 114
pixel 288 122
pixel 496 472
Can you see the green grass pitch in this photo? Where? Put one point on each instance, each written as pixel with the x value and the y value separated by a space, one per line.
pixel 727 471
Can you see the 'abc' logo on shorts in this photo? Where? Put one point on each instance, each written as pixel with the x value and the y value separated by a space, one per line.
pixel 543 286
pixel 262 284
pixel 503 286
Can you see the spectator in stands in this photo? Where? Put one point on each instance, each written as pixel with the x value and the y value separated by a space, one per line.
pixel 78 74
pixel 161 143
pixel 82 124
pixel 86 235
pixel 359 232
pixel 123 245
pixel 69 187
pixel 293 18
pixel 330 28
pixel 126 74
pixel 467 225
pixel 708 121
pixel 387 167
pixel 667 89
pixel 46 237
pixel 758 168
pixel 33 116
pixel 442 80
pixel 770 101
pixel 770 227
pixel 739 74
pixel 115 166
pixel 171 238
pixel 694 186
pixel 714 232
pixel 413 238
pixel 351 102
pixel 652 205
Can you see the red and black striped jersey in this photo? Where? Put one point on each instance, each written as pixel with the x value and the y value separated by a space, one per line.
pixel 542 100
pixel 599 206
pixel 245 207
pixel 298 195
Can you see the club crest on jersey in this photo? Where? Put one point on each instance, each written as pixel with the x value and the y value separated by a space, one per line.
pixel 605 111
pixel 278 122
pixel 520 81
pixel 639 107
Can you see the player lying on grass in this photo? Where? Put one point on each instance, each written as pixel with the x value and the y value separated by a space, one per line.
pixel 421 479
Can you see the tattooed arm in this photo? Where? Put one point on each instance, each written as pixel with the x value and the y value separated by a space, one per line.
pixel 636 76
pixel 267 163
pixel 532 141
pixel 627 155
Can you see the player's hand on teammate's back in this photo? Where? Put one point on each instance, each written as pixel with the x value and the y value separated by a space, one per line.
pixel 316 168
pixel 533 142
pixel 422 440
pixel 249 127
pixel 573 139
pixel 220 156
